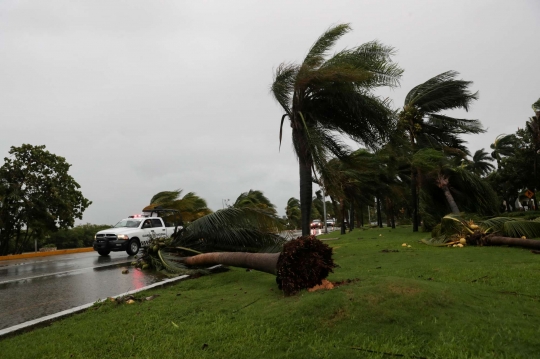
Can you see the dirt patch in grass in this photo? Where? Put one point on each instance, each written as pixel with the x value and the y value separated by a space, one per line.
pixel 331 285
pixel 402 290
pixel 337 316
pixel 373 299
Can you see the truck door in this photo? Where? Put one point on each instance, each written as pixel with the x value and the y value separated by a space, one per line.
pixel 158 228
pixel 147 232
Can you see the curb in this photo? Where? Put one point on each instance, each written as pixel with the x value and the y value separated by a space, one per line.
pixel 46 254
pixel 50 318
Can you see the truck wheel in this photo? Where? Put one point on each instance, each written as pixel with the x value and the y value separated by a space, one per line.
pixel 133 247
pixel 103 252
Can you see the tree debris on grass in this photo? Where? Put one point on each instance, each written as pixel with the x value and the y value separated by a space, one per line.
pixel 302 263
pixel 456 231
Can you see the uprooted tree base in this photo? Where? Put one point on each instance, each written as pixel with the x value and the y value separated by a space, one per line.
pixel 303 263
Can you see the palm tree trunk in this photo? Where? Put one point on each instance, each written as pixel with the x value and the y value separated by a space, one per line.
pixel 351 218
pixel 379 215
pixel 392 215
pixel 450 200
pixel 264 262
pixel 306 189
pixel 343 210
pixel 514 242
pixel 414 195
pixel 535 175
pixel 387 212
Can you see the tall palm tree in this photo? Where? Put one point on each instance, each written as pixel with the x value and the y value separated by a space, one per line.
pixel 533 127
pixel 460 187
pixel 352 180
pixel 326 97
pixel 190 206
pixel 293 213
pixel 503 146
pixel 425 125
pixel 479 164
pixel 255 199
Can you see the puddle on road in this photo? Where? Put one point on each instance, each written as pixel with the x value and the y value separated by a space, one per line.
pixel 34 298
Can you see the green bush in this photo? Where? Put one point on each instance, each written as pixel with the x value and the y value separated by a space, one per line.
pixel 77 237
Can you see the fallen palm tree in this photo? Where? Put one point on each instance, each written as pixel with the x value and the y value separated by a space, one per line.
pixel 456 230
pixel 246 238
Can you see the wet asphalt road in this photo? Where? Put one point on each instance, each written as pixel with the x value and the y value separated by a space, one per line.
pixel 33 288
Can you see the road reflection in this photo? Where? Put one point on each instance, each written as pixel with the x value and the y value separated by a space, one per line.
pixel 31 298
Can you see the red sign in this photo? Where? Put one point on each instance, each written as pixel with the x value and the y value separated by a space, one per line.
pixel 529 194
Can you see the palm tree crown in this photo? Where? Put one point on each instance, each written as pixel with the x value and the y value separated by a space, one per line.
pixel 421 116
pixel 255 199
pixel 503 146
pixel 190 206
pixel 324 97
pixel 479 164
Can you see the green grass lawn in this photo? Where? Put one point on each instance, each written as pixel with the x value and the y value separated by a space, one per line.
pixel 419 302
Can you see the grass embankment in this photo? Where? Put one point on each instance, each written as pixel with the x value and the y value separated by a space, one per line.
pixel 428 302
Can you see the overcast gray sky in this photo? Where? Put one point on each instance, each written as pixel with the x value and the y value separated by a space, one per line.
pixel 147 96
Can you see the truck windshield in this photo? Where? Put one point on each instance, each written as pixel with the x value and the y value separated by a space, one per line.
pixel 129 223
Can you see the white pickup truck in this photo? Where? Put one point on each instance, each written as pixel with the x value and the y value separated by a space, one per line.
pixel 131 234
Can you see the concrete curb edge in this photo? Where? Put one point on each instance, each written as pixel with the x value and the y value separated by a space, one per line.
pixel 46 254
pixel 52 317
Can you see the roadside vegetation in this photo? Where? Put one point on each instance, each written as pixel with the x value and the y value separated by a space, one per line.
pixel 394 295
pixel 77 237
pixel 418 302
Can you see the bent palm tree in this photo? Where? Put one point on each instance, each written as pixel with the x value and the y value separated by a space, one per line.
pixel 533 127
pixel 189 206
pixel 461 188
pixel 479 164
pixel 324 97
pixel 503 146
pixel 255 199
pixel 293 213
pixel 425 126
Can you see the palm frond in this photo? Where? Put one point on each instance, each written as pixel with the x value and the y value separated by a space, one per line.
pixel 233 229
pixel 361 116
pixel 165 197
pixel 172 263
pixel 476 194
pixel 440 241
pixel 516 229
pixel 255 199
pixel 536 106
pixel 428 159
pixel 455 125
pixel 454 224
pixel 442 92
pixel 479 164
pixel 318 51
pixel 283 85
pixel 366 66
pixel 496 224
